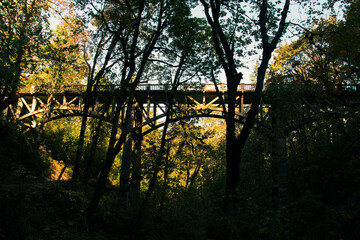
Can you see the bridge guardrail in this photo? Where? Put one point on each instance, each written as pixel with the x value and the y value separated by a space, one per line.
pixel 144 87
pixel 160 87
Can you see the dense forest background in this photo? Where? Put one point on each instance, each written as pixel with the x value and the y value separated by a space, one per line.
pixel 289 169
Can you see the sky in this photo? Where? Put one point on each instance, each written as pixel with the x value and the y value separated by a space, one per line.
pixel 296 15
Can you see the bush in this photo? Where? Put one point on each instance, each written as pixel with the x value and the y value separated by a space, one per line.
pixel 19 158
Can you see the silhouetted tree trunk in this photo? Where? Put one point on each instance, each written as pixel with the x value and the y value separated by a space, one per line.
pixel 165 183
pixel 62 172
pixel 76 170
pixel 90 157
pixel 158 161
pixel 113 149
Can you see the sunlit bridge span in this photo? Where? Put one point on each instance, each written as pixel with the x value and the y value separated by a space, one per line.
pixel 36 106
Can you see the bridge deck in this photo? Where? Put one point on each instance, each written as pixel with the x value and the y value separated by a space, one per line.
pixel 152 100
pixel 190 101
pixel 154 92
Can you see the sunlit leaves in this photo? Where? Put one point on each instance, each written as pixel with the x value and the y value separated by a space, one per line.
pixel 62 59
pixel 326 54
pixel 22 25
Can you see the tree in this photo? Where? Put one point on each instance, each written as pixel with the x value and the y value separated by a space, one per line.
pixel 23 27
pixel 59 139
pixel 228 43
pixel 62 62
pixel 136 26
pixel 59 62
pixel 182 61
pixel 102 61
pixel 314 80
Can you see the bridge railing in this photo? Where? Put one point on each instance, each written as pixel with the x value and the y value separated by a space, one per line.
pixel 160 87
pixel 166 87
pixel 193 87
pixel 143 87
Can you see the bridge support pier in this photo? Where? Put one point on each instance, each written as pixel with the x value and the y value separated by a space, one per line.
pixel 280 155
pixel 136 163
pixel 131 161
pixel 242 103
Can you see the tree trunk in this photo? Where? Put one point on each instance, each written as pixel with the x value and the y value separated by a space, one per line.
pixel 110 156
pixel 233 159
pixel 157 162
pixel 194 175
pixel 79 152
pixel 62 172
pixel 280 156
pixel 160 157
pixel 90 89
pixel 224 49
pixel 165 184
pixel 91 155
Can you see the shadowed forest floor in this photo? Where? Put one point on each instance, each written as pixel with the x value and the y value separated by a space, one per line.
pixel 34 208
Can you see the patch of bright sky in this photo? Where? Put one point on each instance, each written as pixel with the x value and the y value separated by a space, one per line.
pixel 54 21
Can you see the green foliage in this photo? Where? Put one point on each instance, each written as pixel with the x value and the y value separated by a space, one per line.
pixel 322 130
pixel 325 55
pixel 23 29
pixel 50 210
pixel 62 58
pixel 185 52
pixel 308 78
pixel 59 142
pixel 325 166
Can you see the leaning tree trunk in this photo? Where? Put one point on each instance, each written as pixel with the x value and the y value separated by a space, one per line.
pixel 158 161
pixel 90 157
pixel 113 150
pixel 76 170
